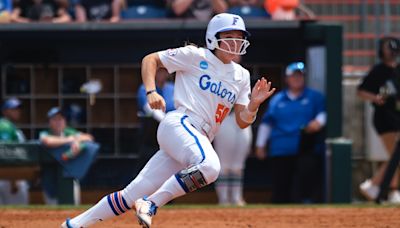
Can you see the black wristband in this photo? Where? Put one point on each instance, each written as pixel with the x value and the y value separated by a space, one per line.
pixel 150 91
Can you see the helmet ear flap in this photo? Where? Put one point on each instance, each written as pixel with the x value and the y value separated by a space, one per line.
pixel 211 41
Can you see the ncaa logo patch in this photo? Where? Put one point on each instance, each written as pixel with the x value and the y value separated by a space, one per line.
pixel 172 52
pixel 203 65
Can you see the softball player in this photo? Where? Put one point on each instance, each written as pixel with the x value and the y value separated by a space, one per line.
pixel 232 150
pixel 207 86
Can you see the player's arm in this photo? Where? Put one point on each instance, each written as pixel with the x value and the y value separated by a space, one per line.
pixel 150 64
pixel 263 133
pixel 84 137
pixel 116 7
pixel 80 13
pixel 319 120
pixel 368 96
pixel 56 141
pixel 16 16
pixel 246 115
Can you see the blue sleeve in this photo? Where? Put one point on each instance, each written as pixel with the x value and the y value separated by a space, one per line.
pixel 168 94
pixel 319 100
pixel 269 113
pixel 6 5
pixel 141 97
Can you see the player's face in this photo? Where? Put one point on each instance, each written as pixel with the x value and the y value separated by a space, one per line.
pixel 57 123
pixel 232 40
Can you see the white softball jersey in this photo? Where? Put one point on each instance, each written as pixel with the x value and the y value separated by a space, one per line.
pixel 206 86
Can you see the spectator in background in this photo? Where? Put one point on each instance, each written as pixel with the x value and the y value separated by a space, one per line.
pixel 290 126
pixel 75 150
pixel 98 10
pixel 201 10
pixel 144 9
pixel 5 10
pixel 12 192
pixel 232 145
pixel 248 8
pixel 150 118
pixel 40 11
pixel 381 88
pixel 286 9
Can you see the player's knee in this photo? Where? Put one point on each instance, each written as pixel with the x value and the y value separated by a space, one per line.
pixel 198 176
pixel 211 171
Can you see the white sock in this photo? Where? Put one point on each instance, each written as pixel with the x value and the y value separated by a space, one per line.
pixel 221 187
pixel 109 206
pixel 77 192
pixel 167 192
pixel 237 188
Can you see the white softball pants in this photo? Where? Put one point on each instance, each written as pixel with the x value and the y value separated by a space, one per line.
pixel 181 146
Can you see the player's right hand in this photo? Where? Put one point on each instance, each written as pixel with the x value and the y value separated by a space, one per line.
pixel 156 101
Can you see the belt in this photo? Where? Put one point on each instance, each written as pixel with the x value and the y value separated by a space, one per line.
pixel 199 123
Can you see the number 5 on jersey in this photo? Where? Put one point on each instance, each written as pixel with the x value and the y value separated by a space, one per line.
pixel 221 113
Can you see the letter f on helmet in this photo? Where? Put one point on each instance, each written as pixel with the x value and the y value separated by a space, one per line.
pixel 226 22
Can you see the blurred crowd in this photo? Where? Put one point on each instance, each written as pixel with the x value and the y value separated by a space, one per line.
pixel 64 11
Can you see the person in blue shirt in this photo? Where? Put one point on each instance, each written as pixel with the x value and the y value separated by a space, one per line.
pixel 150 118
pixel 291 130
pixel 5 10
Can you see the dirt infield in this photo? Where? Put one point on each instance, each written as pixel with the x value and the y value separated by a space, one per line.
pixel 221 217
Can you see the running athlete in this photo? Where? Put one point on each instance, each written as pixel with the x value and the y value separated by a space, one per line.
pixel 208 85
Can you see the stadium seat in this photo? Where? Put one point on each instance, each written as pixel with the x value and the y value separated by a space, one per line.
pixel 249 12
pixel 143 12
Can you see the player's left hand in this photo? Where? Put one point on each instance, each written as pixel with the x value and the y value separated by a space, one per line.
pixel 261 91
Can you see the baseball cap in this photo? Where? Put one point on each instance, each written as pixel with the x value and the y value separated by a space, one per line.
pixel 293 67
pixel 54 111
pixel 11 103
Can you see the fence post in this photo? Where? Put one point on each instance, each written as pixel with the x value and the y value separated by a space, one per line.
pixel 338 170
